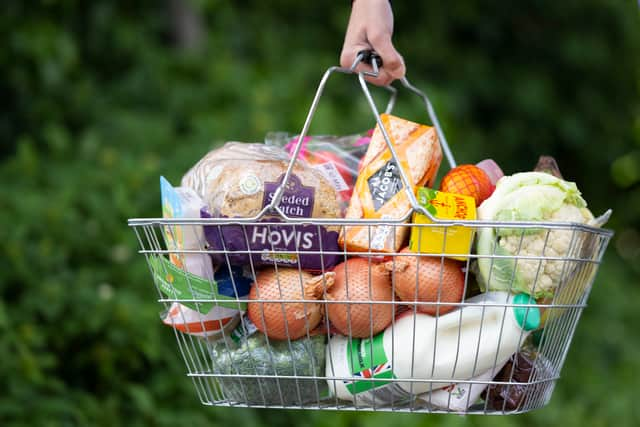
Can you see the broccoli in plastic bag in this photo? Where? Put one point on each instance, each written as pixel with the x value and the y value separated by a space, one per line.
pixel 259 364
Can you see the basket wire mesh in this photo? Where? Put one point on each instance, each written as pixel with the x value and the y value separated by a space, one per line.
pixel 243 367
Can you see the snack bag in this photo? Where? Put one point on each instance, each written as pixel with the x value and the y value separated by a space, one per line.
pixel 379 191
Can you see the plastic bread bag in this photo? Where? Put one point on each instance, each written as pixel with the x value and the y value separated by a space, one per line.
pixel 336 157
pixel 238 180
pixel 249 352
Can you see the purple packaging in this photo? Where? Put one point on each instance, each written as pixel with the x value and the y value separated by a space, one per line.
pixel 290 245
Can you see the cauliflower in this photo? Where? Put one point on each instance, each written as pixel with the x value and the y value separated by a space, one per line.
pixel 530 259
pixel 544 274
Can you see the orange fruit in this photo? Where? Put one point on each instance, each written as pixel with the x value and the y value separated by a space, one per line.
pixel 468 180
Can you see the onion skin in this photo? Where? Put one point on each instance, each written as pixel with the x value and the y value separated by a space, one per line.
pixel 427 279
pixel 287 320
pixel 360 320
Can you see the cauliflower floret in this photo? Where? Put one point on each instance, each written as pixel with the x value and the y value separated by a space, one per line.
pixel 541 274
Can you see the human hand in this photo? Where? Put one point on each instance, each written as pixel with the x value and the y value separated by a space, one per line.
pixel 370 28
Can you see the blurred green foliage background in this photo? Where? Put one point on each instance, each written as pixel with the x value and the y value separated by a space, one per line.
pixel 100 98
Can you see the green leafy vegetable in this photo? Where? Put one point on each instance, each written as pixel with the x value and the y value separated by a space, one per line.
pixel 254 355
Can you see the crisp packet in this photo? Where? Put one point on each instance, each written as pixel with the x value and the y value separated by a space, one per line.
pixel 380 192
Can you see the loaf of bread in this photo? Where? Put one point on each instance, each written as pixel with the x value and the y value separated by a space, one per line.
pixel 238 180
pixel 379 191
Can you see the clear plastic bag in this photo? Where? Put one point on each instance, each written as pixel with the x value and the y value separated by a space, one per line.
pixel 249 352
pixel 336 157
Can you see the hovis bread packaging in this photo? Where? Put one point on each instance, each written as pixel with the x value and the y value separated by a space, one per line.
pixel 239 180
pixel 379 191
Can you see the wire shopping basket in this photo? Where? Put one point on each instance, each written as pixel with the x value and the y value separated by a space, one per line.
pixel 494 352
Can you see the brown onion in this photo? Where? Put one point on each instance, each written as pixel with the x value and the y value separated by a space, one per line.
pixel 358 279
pixel 287 320
pixel 427 279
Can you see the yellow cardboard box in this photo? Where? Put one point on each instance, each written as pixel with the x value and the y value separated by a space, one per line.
pixel 445 239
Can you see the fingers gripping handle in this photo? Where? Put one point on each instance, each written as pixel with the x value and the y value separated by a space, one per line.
pixel 368 57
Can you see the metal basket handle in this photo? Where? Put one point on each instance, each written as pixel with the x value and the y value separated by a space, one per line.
pixel 373 59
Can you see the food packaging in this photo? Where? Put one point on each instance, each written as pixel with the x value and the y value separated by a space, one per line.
pixel 336 157
pixel 190 275
pixel 226 290
pixel 379 191
pixel 228 287
pixel 239 180
pixel 212 325
pixel 519 371
pixel 183 202
pixel 452 241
